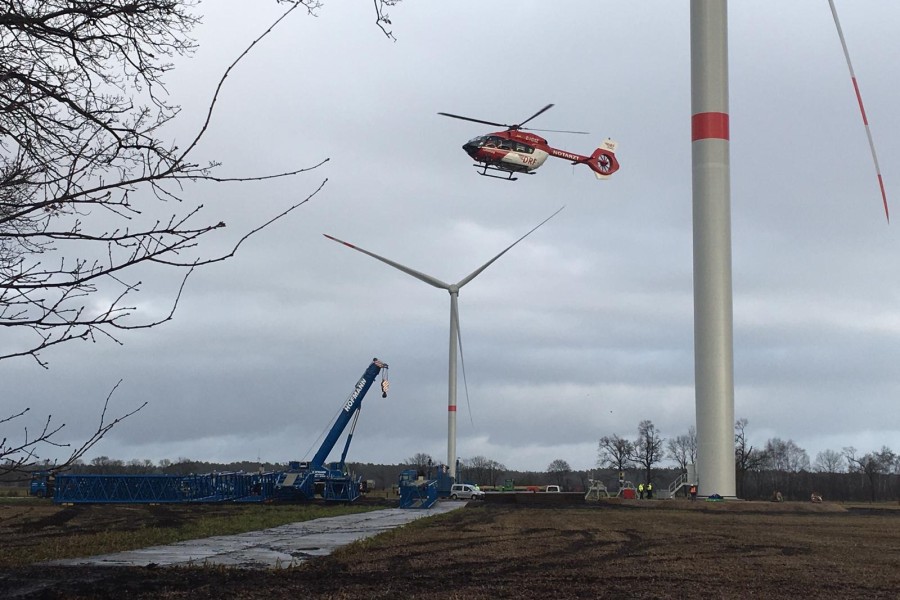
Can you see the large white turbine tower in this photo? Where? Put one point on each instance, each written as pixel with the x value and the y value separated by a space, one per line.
pixel 711 182
pixel 453 288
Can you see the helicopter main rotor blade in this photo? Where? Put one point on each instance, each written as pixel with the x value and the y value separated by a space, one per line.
pixel 473 120
pixel 516 126
pixel 558 131
pixel 546 108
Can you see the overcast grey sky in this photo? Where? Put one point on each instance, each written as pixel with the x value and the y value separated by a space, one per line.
pixel 582 330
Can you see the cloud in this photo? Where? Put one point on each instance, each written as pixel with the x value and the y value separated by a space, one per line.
pixel 582 330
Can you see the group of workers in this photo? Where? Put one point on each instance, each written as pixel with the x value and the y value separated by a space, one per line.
pixel 645 489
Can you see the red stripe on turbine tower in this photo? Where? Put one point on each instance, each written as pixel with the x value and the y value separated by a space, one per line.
pixel 709 125
pixel 451 408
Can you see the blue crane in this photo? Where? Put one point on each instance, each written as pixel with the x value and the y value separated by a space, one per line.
pixel 302 481
pixel 306 480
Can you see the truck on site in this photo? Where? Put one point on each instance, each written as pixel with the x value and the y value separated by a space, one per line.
pixel 302 481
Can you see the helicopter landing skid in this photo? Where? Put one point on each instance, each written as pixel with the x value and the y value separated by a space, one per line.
pixel 509 174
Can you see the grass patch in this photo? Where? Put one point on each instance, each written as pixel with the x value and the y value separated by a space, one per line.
pixel 13 492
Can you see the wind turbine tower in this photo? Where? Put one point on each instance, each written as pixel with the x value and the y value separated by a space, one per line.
pixel 711 184
pixel 713 316
pixel 453 289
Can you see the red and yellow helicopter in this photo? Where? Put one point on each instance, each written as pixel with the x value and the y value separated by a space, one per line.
pixel 516 151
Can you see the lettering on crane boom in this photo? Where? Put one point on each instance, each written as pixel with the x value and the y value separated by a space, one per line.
pixel 348 406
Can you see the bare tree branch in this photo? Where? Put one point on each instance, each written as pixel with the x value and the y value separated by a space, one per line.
pixel 81 104
pixel 83 170
pixel 382 19
pixel 22 457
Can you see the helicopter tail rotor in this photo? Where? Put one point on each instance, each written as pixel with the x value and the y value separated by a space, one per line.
pixel 603 160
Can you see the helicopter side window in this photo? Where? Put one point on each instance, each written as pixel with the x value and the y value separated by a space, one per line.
pixel 505 144
pixel 520 147
pixel 491 142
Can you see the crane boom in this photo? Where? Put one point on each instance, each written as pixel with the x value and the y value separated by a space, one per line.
pixel 350 408
pixel 306 480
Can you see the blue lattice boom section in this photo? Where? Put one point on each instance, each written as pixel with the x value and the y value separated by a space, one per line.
pixel 303 481
pixel 416 492
pixel 153 489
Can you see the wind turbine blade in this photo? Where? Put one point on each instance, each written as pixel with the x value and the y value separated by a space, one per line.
pixel 862 110
pixel 417 274
pixel 462 363
pixel 477 271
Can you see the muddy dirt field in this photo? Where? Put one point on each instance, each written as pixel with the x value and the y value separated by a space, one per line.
pixel 616 549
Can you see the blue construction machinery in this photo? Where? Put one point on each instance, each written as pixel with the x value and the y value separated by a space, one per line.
pixel 303 481
pixel 307 480
pixel 163 489
pixel 416 491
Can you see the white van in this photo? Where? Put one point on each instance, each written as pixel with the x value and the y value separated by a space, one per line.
pixel 465 491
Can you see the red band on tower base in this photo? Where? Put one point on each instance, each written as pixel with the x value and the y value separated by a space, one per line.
pixel 451 408
pixel 710 125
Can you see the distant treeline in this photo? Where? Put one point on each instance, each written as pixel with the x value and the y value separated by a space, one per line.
pixel 751 485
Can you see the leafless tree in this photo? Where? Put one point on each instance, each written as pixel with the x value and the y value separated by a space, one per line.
pixel 786 456
pixel 830 464
pixel 382 19
pixel 23 455
pixel 615 452
pixel 483 470
pixel 785 460
pixel 559 471
pixel 873 465
pixel 683 448
pixel 421 462
pixel 91 191
pixel 648 448
pixel 747 459
pixel 85 169
pixel 830 461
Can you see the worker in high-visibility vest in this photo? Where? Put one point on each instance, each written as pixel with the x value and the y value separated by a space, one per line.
pixel 649 490
pixel 641 491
